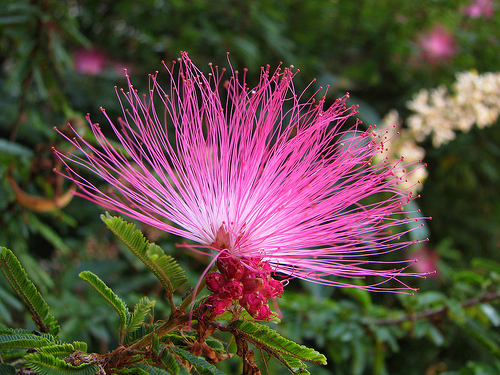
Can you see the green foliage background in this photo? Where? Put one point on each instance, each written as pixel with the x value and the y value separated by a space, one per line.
pixel 366 47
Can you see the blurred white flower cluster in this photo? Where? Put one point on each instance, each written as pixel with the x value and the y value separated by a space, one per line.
pixel 439 113
pixel 400 144
pixel 475 100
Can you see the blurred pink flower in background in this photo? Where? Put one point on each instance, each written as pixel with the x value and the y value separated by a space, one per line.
pixel 437 46
pixel 89 61
pixel 94 61
pixel 426 261
pixel 480 8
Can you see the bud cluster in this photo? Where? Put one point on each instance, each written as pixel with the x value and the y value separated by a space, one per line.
pixel 250 284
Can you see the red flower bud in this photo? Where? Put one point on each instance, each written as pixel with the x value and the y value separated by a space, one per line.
pixel 264 313
pixel 252 301
pixel 273 289
pixel 215 282
pixel 253 282
pixel 230 267
pixel 232 290
pixel 218 306
pixel 265 268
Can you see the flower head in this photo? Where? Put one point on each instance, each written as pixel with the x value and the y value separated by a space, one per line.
pixel 480 8
pixel 427 261
pixel 89 61
pixel 262 179
pixel 437 46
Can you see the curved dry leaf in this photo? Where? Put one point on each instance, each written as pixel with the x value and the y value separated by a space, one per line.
pixel 41 204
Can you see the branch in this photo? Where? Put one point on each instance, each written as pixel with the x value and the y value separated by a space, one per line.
pixel 437 312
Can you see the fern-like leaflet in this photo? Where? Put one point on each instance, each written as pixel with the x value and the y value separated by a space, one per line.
pixel 164 267
pixel 110 296
pixel 27 292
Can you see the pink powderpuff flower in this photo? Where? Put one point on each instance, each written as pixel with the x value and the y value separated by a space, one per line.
pixel 264 180
pixel 480 8
pixel 437 46
pixel 89 61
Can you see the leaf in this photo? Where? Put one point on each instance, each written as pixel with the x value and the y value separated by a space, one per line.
pixel 153 370
pixel 200 364
pixel 38 275
pixel 48 233
pixel 288 352
pixel 7 300
pixel 359 357
pixel 431 298
pixel 5 314
pixel 109 296
pixel 215 344
pixel 171 363
pixel 361 295
pixel 142 331
pixel 43 204
pixel 387 336
pixel 27 292
pixel 141 310
pixel 424 328
pixel 164 267
pixel 488 264
pixel 491 313
pixel 80 346
pixel 46 364
pixel 456 312
pixel 131 370
pixel 6 369
pixel 58 350
pixel 178 339
pixel 482 336
pixel 24 339
pixel 155 343
pixel 15 149
pixel 262 332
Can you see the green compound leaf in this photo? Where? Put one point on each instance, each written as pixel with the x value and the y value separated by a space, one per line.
pixel 143 330
pixel 109 296
pixel 165 268
pixel 141 310
pixel 14 150
pixel 6 369
pixel 170 362
pixel 24 339
pixel 27 292
pixel 215 344
pixel 46 364
pixel 11 355
pixel 200 364
pixel 147 368
pixel 288 352
pixel 63 350
pixel 136 370
pixel 80 346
